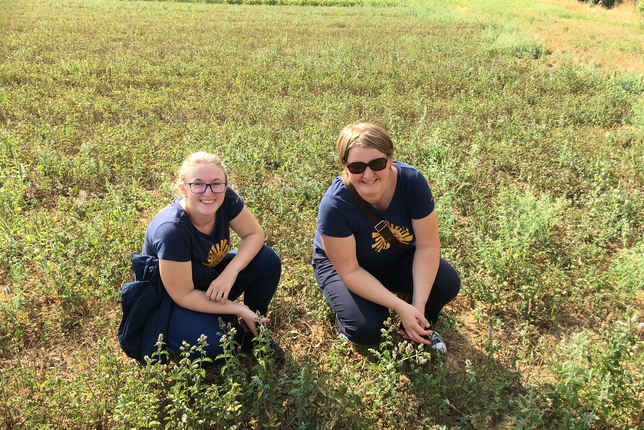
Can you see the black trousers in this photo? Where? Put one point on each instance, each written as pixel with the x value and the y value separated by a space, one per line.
pixel 361 320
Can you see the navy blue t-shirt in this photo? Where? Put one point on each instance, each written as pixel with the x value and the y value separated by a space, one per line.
pixel 172 236
pixel 341 216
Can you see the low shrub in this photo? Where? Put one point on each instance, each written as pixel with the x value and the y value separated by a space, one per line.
pixel 600 379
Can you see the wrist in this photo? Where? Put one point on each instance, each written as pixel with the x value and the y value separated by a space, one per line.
pixel 419 301
pixel 227 277
pixel 419 306
pixel 400 305
pixel 239 309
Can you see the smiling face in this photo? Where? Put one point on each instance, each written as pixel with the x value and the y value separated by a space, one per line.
pixel 371 185
pixel 203 206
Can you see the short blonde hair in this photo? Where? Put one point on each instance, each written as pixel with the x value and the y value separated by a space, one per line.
pixel 193 160
pixel 366 135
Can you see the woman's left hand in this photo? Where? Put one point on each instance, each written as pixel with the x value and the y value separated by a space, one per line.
pixel 416 326
pixel 220 288
pixel 249 319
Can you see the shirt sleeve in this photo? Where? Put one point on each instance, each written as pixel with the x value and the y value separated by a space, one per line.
pixel 422 198
pixel 172 242
pixel 331 219
pixel 234 203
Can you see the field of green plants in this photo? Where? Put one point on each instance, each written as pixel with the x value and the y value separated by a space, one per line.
pixel 537 170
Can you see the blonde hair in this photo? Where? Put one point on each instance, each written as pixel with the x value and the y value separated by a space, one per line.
pixel 366 135
pixel 193 160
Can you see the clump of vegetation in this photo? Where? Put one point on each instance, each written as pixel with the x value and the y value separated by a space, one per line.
pixel 600 381
pixel 536 170
pixel 604 3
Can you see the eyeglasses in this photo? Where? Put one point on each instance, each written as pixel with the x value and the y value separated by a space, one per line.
pixel 200 187
pixel 376 165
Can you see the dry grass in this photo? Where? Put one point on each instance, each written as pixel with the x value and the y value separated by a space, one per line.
pixel 610 39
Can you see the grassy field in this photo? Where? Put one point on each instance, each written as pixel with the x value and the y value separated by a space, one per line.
pixel 532 138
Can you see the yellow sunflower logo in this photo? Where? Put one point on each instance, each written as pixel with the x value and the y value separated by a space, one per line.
pixel 402 234
pixel 217 253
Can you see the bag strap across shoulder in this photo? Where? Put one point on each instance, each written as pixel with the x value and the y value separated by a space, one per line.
pixel 381 226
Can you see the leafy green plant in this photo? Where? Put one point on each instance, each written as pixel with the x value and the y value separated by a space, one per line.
pixel 510 38
pixel 512 247
pixel 179 395
pixel 600 380
pixel 627 270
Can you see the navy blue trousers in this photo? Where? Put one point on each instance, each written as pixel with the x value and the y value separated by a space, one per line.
pixel 361 320
pixel 257 281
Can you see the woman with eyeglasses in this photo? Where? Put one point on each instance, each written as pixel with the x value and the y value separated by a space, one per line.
pixel 200 272
pixel 357 269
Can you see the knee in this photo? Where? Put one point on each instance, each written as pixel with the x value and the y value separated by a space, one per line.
pixel 267 267
pixel 456 284
pixel 269 260
pixel 449 278
pixel 364 332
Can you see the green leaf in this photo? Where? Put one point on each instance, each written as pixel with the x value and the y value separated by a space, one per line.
pixel 536 420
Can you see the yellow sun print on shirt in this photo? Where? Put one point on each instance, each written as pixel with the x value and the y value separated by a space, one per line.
pixel 402 234
pixel 217 253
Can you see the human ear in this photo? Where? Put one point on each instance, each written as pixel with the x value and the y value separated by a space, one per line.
pixel 182 190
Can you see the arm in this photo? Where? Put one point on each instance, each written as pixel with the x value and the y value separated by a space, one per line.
pixel 426 258
pixel 252 240
pixel 177 280
pixel 342 254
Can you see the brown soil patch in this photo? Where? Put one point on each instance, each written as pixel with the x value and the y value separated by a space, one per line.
pixel 610 39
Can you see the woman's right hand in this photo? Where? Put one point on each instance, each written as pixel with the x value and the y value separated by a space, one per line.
pixel 415 324
pixel 250 319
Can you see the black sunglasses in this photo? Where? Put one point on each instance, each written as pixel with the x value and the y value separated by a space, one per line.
pixel 376 165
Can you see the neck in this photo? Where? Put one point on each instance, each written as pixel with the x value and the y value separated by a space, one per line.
pixel 379 202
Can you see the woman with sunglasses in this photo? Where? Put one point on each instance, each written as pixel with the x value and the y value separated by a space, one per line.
pixel 200 272
pixel 358 271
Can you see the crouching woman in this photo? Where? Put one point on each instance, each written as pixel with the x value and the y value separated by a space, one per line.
pixel 200 272
pixel 361 259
